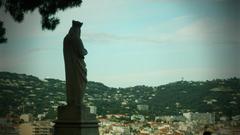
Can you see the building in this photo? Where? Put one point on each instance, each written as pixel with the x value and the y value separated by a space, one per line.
pixel 7 127
pixel 137 118
pixel 26 117
pixel 120 129
pixel 204 118
pixel 142 107
pixel 93 109
pixel 36 128
pixel 26 129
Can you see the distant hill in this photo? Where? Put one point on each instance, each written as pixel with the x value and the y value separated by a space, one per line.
pixel 21 93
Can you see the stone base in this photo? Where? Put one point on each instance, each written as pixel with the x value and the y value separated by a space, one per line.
pixel 75 128
pixel 75 120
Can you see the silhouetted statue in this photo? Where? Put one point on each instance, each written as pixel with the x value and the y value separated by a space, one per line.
pixel 75 117
pixel 75 67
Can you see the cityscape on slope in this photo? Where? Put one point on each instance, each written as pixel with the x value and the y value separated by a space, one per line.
pixel 181 107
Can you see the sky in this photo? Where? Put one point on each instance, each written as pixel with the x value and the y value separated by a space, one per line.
pixel 132 42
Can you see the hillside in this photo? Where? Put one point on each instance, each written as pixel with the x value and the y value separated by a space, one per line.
pixel 20 93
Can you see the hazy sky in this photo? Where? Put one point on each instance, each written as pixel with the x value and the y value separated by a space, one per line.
pixel 133 42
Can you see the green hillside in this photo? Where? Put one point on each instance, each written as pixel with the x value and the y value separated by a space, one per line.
pixel 20 93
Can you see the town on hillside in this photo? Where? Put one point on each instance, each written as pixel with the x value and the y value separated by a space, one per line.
pixel 28 106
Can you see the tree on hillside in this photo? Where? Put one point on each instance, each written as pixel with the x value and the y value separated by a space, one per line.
pixel 46 8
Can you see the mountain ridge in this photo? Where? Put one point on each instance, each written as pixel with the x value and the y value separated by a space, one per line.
pixel 21 93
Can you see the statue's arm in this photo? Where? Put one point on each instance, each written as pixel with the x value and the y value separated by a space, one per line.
pixel 80 49
pixel 84 51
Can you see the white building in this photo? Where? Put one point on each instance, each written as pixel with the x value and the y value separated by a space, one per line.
pixel 204 118
pixel 122 130
pixel 138 118
pixel 93 109
pixel 142 107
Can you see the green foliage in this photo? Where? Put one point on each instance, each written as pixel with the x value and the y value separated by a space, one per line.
pixel 46 8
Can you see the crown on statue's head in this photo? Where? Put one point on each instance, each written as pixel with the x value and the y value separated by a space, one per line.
pixel 76 23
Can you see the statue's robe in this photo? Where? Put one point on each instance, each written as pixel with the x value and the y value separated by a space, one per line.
pixel 75 67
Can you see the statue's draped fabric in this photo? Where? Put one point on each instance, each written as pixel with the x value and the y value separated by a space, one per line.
pixel 75 67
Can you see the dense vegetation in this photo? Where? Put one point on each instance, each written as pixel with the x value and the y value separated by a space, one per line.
pixel 20 93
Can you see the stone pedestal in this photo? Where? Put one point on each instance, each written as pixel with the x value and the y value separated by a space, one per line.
pixel 75 120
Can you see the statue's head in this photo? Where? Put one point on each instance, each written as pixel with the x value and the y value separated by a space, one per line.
pixel 76 28
pixel 76 24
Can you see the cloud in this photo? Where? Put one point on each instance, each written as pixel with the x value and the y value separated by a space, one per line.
pixel 210 30
pixel 198 31
pixel 113 38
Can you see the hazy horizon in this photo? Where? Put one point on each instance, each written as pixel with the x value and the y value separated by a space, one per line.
pixel 181 79
pixel 132 42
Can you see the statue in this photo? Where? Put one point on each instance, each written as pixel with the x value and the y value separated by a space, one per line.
pixel 75 67
pixel 75 118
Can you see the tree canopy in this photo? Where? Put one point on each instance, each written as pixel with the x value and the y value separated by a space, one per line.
pixel 46 8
